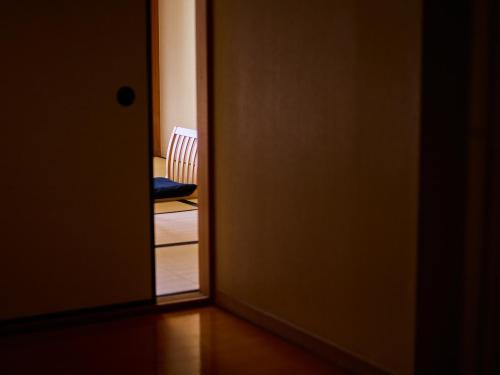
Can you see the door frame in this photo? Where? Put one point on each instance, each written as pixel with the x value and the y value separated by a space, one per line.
pixel 443 177
pixel 458 262
pixel 204 148
pixel 155 76
pixel 489 321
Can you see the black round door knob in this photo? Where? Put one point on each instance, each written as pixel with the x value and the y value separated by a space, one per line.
pixel 125 96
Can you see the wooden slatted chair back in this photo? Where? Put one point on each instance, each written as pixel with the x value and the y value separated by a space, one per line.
pixel 182 156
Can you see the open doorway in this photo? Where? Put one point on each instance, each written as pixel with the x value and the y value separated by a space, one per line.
pixel 180 146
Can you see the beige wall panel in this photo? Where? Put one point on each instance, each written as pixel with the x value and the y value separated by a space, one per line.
pixel 70 156
pixel 177 53
pixel 316 125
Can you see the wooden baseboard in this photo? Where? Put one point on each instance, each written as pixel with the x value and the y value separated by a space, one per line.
pixel 298 336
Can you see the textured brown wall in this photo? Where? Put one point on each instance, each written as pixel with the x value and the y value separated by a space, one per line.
pixel 316 124
pixel 70 157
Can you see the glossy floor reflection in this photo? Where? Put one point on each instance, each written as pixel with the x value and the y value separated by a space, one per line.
pixel 200 341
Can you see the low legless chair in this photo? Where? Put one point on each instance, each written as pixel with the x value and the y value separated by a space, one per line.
pixel 180 181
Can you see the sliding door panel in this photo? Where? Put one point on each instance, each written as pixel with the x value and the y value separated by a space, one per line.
pixel 75 214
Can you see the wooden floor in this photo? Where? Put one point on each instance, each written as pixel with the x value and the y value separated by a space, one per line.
pixel 191 342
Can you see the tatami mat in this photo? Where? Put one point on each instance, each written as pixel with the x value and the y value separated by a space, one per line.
pixel 176 266
pixel 176 269
pixel 176 227
pixel 174 206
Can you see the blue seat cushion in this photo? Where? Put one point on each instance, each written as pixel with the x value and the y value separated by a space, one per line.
pixel 165 188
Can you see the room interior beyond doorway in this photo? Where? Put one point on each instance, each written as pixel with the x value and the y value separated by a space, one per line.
pixel 176 242
pixel 179 99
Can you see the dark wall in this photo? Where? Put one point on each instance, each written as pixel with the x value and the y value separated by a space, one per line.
pixel 316 143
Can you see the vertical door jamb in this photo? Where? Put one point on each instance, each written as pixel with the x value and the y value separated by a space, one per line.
pixel 155 72
pixel 204 174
